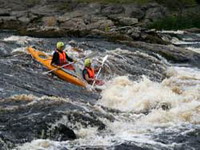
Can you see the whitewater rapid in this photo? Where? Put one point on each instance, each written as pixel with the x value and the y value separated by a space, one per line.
pixel 144 110
pixel 141 112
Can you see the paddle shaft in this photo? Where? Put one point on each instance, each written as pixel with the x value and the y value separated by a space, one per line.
pixel 58 68
pixel 104 59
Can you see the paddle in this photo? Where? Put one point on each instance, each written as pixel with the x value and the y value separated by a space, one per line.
pixel 103 61
pixel 90 55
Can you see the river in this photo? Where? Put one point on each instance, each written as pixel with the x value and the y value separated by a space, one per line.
pixel 153 103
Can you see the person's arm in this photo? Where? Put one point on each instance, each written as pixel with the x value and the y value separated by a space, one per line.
pixel 69 58
pixel 96 69
pixel 55 59
pixel 87 78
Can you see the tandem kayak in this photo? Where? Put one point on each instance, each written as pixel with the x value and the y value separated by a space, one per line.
pixel 64 74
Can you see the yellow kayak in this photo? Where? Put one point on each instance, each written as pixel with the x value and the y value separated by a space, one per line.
pixel 63 74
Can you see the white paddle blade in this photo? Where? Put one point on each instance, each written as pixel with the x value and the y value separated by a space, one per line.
pixel 104 59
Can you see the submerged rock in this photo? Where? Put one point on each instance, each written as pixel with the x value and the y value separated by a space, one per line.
pixel 25 118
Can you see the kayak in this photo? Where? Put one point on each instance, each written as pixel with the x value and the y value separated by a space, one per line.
pixel 67 75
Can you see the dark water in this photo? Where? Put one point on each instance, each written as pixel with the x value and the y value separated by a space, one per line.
pixel 147 102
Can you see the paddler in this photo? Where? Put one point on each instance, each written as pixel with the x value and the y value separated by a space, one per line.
pixel 89 73
pixel 60 58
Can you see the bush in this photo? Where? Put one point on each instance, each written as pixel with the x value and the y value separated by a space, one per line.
pixel 176 4
pixel 177 22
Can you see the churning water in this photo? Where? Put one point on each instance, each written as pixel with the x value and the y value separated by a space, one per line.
pixel 147 113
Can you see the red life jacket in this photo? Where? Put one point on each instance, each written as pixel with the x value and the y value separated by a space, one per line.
pixel 63 61
pixel 91 73
pixel 62 58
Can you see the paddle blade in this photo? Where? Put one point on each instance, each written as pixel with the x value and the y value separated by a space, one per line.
pixel 104 59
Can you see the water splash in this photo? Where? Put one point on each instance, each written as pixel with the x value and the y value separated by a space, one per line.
pixel 21 40
pixel 179 94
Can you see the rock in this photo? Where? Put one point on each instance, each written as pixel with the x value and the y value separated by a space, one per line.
pixel 100 23
pixel 95 8
pixel 112 9
pixel 135 33
pixel 43 31
pixel 81 19
pixel 24 20
pixel 32 118
pixel 4 50
pixel 74 24
pixel 8 18
pixel 193 30
pixel 62 19
pixel 155 12
pixel 89 9
pixel 19 13
pixel 126 21
pixel 137 13
pixel 5 12
pixel 62 133
pixel 128 146
pixel 170 52
pixel 134 11
pixel 46 10
pixel 112 36
pixel 9 22
pixel 49 21
pixel 74 14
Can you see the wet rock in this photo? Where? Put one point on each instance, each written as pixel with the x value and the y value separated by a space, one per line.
pixel 5 50
pixel 112 36
pixel 87 119
pixel 126 146
pixel 5 12
pixel 27 124
pixel 193 30
pixel 62 133
pixel 170 52
pixel 25 118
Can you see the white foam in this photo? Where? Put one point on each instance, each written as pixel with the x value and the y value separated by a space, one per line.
pixel 181 92
pixel 174 32
pixel 197 50
pixel 22 40
pixel 19 50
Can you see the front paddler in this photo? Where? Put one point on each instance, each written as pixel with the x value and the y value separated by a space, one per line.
pixel 89 73
pixel 60 58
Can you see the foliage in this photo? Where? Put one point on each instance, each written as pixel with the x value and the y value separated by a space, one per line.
pixel 177 22
pixel 176 4
pixel 50 21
